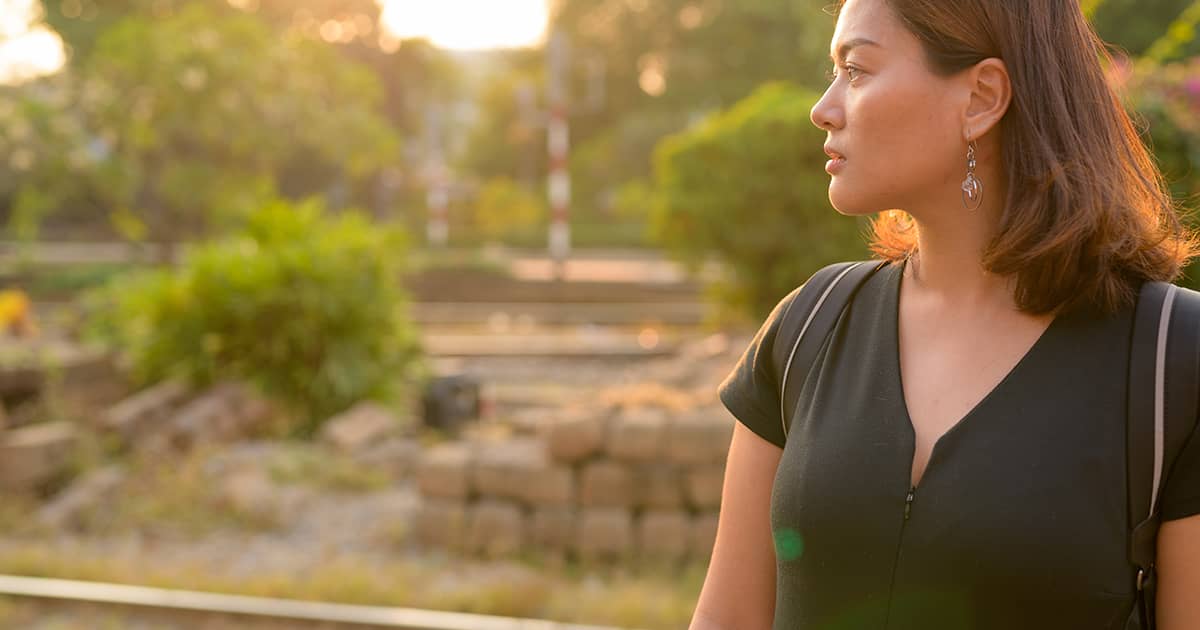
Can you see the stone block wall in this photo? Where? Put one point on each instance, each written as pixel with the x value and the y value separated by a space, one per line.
pixel 641 482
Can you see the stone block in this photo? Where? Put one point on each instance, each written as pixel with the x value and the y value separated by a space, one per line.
pixel 441 524
pixel 225 413
pixel 520 469
pixel 576 437
pixel 604 533
pixel 360 427
pixel 144 410
pixel 495 528
pixel 549 487
pixel 503 465
pixel 658 486
pixel 35 454
pixel 445 471
pixel 396 456
pixel 86 380
pixel 703 535
pixel 606 484
pixel 637 434
pixel 700 437
pixel 251 493
pixel 552 528
pixel 69 508
pixel 664 534
pixel 704 486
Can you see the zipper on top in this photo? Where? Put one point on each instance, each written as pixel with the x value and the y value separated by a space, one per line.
pixel 908 501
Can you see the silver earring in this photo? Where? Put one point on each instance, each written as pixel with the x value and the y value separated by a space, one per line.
pixel 972 187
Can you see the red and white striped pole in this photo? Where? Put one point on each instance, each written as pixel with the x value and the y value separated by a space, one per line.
pixel 437 199
pixel 437 181
pixel 558 145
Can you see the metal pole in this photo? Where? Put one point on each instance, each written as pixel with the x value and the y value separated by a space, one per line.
pixel 558 145
pixel 437 194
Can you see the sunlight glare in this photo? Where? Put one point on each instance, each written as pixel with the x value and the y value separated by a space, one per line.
pixel 468 24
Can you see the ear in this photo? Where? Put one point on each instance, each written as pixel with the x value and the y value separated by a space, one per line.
pixel 990 95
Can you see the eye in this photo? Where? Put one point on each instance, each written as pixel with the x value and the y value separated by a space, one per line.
pixel 852 73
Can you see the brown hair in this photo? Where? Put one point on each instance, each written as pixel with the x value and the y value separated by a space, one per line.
pixel 1088 216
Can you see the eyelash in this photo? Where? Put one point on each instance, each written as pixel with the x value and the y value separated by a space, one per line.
pixel 832 73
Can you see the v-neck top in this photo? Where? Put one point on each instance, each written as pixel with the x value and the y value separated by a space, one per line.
pixel 1019 520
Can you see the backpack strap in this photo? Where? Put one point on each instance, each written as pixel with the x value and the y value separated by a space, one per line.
pixel 807 322
pixel 1164 378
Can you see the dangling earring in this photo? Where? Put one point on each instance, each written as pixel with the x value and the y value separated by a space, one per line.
pixel 972 187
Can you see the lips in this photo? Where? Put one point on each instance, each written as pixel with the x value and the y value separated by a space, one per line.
pixel 836 161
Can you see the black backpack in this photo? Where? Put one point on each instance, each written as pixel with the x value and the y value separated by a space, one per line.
pixel 1164 382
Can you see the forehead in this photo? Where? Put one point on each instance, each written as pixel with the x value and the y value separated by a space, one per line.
pixel 862 21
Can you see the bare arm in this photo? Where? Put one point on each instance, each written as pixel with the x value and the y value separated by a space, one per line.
pixel 739 589
pixel 1178 602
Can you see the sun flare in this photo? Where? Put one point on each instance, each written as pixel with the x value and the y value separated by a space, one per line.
pixel 468 24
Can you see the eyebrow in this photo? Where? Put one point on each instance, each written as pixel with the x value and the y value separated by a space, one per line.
pixel 851 44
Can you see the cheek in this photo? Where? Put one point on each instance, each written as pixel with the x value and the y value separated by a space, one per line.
pixel 902 145
pixel 907 139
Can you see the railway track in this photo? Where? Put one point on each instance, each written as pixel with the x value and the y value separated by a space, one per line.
pixel 192 609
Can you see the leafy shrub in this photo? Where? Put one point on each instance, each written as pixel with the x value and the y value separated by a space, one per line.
pixel 747 186
pixel 1167 100
pixel 505 207
pixel 306 306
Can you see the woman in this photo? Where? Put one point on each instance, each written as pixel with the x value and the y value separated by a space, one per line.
pixel 986 487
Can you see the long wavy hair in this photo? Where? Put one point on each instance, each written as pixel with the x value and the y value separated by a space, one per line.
pixel 1088 216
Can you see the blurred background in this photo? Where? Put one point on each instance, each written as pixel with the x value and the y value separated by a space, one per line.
pixel 413 303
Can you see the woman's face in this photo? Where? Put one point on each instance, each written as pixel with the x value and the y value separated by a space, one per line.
pixel 895 125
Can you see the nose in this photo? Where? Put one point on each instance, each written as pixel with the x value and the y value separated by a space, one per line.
pixel 827 114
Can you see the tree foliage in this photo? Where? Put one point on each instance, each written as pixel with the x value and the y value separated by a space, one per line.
pixel 666 64
pixel 746 185
pixel 306 306
pixel 1134 26
pixel 82 23
pixel 505 207
pixel 173 124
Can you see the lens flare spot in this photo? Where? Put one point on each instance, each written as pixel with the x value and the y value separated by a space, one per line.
pixel 789 544
pixel 648 338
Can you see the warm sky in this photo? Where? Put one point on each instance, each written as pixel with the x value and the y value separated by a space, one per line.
pixel 460 24
pixel 468 24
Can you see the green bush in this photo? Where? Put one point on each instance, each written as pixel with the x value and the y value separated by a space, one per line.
pixel 747 187
pixel 308 307
pixel 1166 99
pixel 505 208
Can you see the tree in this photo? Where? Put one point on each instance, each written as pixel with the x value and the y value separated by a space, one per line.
pixel 81 23
pixel 505 207
pixel 667 63
pixel 180 121
pixel 1135 25
pixel 746 186
pixel 507 141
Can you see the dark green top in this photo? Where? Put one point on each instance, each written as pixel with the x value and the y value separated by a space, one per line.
pixel 1020 519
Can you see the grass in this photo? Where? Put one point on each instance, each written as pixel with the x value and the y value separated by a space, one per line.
pixel 303 463
pixel 172 493
pixel 648 599
pixel 178 493
pixel 50 281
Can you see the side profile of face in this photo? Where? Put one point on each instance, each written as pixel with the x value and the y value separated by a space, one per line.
pixel 896 127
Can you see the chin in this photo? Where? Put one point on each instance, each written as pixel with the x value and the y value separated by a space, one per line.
pixel 848 203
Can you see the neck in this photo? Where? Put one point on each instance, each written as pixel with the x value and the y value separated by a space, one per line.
pixel 948 266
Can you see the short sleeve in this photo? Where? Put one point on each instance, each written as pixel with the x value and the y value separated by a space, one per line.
pixel 751 391
pixel 1181 490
